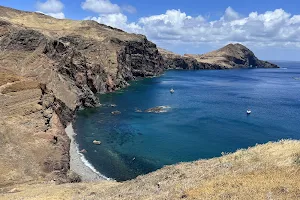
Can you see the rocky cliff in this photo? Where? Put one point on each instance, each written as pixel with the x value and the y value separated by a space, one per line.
pixel 48 69
pixel 228 57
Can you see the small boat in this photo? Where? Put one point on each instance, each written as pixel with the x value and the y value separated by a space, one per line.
pixel 97 142
pixel 248 112
pixel 172 91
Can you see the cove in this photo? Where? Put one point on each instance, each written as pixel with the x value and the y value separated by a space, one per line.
pixel 204 117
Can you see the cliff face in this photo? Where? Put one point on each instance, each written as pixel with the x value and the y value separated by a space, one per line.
pixel 83 55
pixel 48 69
pixel 228 57
pixel 175 61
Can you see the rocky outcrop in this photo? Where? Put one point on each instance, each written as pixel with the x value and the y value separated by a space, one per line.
pixel 175 61
pixel 228 57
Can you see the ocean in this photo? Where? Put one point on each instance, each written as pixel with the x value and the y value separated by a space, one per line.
pixel 204 117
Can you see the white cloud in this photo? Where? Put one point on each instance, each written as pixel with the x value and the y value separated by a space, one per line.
pixel 172 18
pixel 230 14
pixel 129 9
pixel 100 6
pixel 59 15
pixel 295 19
pixel 51 7
pixel 271 28
pixel 172 25
pixel 117 20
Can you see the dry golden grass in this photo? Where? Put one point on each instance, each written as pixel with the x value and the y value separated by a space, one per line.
pixel 7 78
pixel 50 191
pixel 275 183
pixel 53 27
pixel 269 171
pixel 19 86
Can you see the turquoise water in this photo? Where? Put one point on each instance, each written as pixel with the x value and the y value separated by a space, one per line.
pixel 207 116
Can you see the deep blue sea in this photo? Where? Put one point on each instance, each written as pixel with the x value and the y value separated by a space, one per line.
pixel 206 116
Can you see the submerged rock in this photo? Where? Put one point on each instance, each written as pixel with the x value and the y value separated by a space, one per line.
pixel 115 112
pixel 138 110
pixel 158 109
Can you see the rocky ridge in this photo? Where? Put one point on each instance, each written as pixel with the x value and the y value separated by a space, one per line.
pixel 228 57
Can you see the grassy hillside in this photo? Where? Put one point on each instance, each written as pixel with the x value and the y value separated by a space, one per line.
pixel 269 171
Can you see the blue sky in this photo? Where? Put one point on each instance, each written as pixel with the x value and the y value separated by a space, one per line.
pixel 271 28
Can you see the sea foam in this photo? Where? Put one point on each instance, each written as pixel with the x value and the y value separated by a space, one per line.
pixel 88 164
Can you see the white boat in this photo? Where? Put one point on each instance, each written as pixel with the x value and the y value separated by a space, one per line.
pixel 172 91
pixel 248 112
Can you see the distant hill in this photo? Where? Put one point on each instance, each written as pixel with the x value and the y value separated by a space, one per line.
pixel 228 57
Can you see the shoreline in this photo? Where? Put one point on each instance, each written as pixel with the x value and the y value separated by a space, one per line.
pixel 78 162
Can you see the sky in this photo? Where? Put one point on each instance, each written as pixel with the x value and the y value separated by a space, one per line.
pixel 271 28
